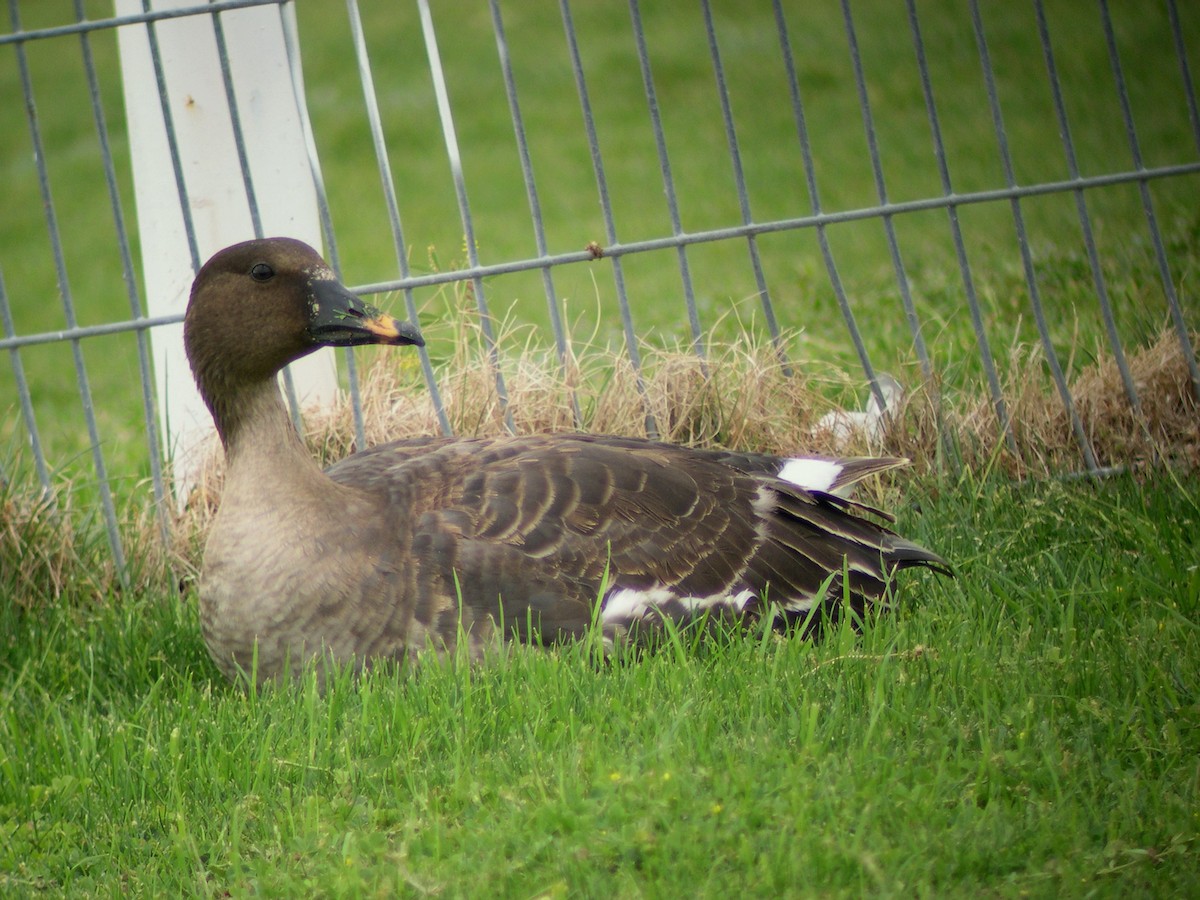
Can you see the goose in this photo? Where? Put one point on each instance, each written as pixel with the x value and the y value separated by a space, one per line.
pixel 447 544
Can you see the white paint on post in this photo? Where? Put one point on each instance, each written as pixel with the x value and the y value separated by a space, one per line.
pixel 274 137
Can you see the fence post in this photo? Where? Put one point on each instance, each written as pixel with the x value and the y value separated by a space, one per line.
pixel 209 172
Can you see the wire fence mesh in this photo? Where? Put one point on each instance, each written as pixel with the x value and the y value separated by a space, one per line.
pixel 1077 120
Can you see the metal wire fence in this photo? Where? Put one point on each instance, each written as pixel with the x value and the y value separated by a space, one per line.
pixel 1176 165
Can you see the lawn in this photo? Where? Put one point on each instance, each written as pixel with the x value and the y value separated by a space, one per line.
pixel 1030 727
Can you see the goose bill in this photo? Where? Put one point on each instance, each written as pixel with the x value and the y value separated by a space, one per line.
pixel 338 318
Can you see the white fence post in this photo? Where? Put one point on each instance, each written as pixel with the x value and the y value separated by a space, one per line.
pixel 275 149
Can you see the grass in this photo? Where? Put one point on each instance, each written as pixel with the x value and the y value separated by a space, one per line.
pixel 1030 728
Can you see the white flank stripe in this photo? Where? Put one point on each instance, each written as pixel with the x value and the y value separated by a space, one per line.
pixel 811 474
pixel 627 604
pixel 738 601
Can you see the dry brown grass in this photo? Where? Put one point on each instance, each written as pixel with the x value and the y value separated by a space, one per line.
pixel 42 556
pixel 54 547
pixel 1165 430
pixel 737 397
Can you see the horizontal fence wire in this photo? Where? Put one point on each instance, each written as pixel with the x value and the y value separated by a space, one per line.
pixel 950 202
pixel 18 35
pixel 747 229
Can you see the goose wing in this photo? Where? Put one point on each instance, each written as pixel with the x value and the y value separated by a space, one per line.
pixel 534 530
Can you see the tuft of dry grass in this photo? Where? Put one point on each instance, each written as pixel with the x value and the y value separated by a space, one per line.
pixel 41 554
pixel 736 395
pixel 1169 421
pixel 51 546
pixel 1163 429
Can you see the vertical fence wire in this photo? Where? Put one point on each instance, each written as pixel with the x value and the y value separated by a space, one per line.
pixel 107 508
pixel 1160 253
pixel 739 177
pixel 814 196
pixel 464 208
pixel 1185 70
pixel 287 17
pixel 535 207
pixel 239 143
pixel 610 230
pixel 26 400
pixel 960 248
pixel 145 373
pixel 1085 219
pixel 889 227
pixel 664 164
pixel 235 122
pixel 399 245
pixel 160 79
pixel 1035 300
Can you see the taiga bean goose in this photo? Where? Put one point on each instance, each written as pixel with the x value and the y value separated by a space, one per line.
pixel 420 543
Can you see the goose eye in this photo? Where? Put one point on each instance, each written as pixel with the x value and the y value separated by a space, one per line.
pixel 262 272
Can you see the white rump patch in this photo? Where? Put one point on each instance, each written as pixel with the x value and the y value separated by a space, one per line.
pixel 811 474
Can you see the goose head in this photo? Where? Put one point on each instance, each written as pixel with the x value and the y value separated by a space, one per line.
pixel 259 305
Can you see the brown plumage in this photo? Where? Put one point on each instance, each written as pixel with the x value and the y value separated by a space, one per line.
pixel 417 544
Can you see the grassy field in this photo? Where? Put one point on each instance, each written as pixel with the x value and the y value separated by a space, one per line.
pixel 1031 728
